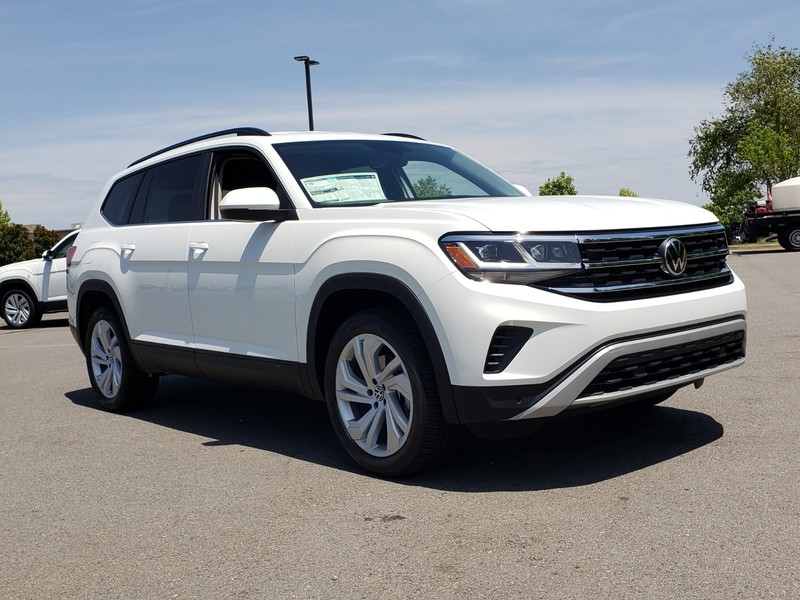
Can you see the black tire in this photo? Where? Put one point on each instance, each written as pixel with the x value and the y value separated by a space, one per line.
pixel 789 238
pixel 379 401
pixel 20 309
pixel 115 377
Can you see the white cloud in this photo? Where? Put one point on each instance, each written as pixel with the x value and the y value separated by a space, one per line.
pixel 606 137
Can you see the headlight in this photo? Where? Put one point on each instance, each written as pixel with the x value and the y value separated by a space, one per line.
pixel 512 258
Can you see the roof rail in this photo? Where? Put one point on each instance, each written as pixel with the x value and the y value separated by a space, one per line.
pixel 405 135
pixel 200 138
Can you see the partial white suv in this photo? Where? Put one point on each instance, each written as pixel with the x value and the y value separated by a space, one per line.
pixel 398 280
pixel 30 288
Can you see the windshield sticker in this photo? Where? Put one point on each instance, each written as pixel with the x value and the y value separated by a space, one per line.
pixel 344 187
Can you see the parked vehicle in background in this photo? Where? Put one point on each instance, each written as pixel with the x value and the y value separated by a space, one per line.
pixel 398 280
pixel 780 215
pixel 30 288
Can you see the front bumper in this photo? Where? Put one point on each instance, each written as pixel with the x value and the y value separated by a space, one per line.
pixel 576 347
pixel 621 370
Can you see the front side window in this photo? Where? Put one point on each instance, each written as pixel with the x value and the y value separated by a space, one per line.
pixel 60 250
pixel 352 172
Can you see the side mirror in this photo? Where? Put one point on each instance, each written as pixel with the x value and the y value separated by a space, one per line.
pixel 253 204
pixel 47 255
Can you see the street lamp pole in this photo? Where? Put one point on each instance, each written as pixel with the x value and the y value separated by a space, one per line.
pixel 308 62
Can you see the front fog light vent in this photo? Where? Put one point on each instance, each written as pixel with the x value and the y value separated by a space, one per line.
pixel 506 343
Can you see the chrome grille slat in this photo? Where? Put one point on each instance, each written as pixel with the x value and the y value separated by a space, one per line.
pixel 626 266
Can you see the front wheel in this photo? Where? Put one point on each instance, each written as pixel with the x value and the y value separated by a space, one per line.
pixel 115 377
pixel 789 238
pixel 382 396
pixel 20 310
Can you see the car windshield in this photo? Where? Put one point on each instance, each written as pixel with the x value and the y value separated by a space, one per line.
pixel 353 172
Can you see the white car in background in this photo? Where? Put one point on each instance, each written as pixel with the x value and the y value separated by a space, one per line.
pixel 33 287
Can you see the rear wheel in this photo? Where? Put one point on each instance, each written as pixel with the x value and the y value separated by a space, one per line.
pixel 382 397
pixel 789 237
pixel 115 377
pixel 20 310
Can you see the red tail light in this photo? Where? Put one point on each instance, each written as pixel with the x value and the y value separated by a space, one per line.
pixel 70 253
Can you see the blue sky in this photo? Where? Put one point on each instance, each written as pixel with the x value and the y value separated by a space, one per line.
pixel 607 91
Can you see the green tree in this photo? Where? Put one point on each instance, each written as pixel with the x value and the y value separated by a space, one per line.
pixel 4 218
pixel 558 186
pixel 627 192
pixel 428 187
pixel 756 142
pixel 44 239
pixel 15 244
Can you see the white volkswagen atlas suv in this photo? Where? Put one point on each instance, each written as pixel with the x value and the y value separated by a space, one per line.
pixel 404 284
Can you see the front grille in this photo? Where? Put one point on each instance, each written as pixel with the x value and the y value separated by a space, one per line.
pixel 665 364
pixel 627 266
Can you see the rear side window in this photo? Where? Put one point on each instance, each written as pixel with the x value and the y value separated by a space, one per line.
pixel 174 192
pixel 119 201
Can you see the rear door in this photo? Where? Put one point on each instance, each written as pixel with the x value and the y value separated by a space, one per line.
pixel 153 257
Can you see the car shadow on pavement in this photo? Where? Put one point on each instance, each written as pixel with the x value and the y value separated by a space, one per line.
pixel 53 322
pixel 756 251
pixel 568 452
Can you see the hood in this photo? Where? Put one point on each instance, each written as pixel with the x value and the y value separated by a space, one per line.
pixel 25 265
pixel 569 213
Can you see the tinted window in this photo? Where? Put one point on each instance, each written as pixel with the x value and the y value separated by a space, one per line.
pixel 173 193
pixel 117 205
pixel 60 251
pixel 244 172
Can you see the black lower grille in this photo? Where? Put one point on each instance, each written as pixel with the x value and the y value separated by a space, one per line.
pixel 505 345
pixel 657 366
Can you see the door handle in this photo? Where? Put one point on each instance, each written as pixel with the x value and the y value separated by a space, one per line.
pixel 127 249
pixel 198 248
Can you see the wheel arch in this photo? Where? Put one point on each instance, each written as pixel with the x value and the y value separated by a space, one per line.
pixel 19 283
pixel 346 294
pixel 91 295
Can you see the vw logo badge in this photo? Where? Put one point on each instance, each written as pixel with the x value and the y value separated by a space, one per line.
pixel 673 256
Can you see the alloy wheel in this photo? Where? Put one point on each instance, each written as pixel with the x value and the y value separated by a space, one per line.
pixel 373 395
pixel 17 308
pixel 105 359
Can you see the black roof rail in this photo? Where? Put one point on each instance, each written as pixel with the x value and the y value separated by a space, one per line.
pixel 406 135
pixel 200 138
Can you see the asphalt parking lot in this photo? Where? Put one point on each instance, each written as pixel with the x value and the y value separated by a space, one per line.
pixel 224 492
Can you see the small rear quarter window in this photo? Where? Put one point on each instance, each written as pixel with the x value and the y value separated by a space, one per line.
pixel 118 203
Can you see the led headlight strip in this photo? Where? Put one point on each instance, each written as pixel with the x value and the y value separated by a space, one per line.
pixel 518 259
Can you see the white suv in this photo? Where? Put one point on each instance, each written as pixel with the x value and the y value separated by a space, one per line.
pixel 30 288
pixel 401 282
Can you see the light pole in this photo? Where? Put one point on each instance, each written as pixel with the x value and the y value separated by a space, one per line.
pixel 308 63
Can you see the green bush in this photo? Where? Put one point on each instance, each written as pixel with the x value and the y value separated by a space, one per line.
pixel 44 239
pixel 15 244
